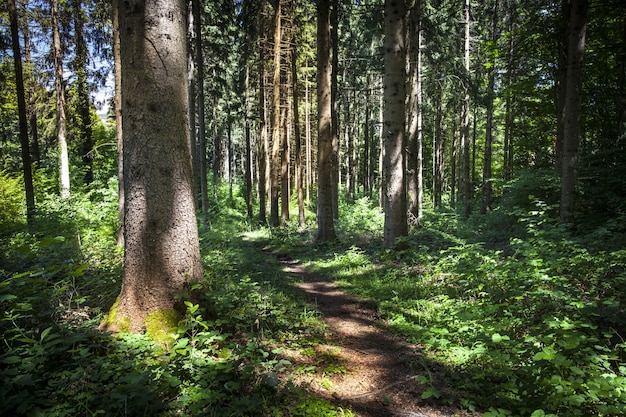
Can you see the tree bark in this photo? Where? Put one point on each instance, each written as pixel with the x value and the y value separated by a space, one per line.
pixel 466 182
pixel 334 124
pixel 394 117
pixel 83 102
pixel 121 201
pixel 276 136
pixel 487 158
pixel 64 163
pixel 325 224
pixel 21 110
pixel 201 151
pixel 161 253
pixel 571 109
pixel 296 124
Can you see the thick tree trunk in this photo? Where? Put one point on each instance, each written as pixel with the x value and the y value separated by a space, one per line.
pixel 325 224
pixel 64 163
pixel 21 110
pixel 161 255
pixel 394 116
pixel 121 201
pixel 571 109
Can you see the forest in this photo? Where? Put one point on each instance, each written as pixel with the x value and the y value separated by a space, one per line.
pixel 358 208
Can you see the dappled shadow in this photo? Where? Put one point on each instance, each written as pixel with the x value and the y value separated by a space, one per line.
pixel 385 375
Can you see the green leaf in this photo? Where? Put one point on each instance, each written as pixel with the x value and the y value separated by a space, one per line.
pixel 7 297
pixel 498 338
pixel 538 413
pixel 10 360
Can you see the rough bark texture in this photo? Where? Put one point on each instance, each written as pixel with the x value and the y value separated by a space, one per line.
pixel 121 200
pixel 21 106
pixel 202 162
pixel 414 116
pixel 161 238
pixel 325 225
pixel 276 145
pixel 571 109
pixel 64 163
pixel 394 96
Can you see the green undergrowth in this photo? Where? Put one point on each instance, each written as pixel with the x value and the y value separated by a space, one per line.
pixel 520 315
pixel 225 357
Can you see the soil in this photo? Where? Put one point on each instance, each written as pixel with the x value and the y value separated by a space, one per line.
pixel 366 368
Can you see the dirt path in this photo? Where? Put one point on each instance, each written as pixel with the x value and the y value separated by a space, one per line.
pixel 368 369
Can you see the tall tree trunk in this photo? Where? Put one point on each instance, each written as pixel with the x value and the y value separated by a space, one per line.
pixel 413 113
pixel 562 62
pixel 263 144
pixel 307 134
pixel 509 116
pixel 571 109
pixel 21 110
pixel 121 201
pixel 202 162
pixel 466 182
pixel 161 254
pixel 284 160
pixel 191 82
pixel 325 223
pixel 438 152
pixel 487 159
pixel 32 104
pixel 334 124
pixel 365 174
pixel 64 163
pixel 394 116
pixel 83 102
pixel 276 137
pixel 296 124
pixel 248 163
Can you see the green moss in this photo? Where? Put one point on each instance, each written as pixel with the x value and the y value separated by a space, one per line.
pixel 113 323
pixel 160 326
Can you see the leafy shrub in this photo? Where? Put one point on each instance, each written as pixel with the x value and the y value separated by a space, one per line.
pixel 12 200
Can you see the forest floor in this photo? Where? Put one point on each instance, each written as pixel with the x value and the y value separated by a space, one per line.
pixel 367 369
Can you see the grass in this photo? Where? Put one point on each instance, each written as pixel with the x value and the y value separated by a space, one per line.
pixel 518 315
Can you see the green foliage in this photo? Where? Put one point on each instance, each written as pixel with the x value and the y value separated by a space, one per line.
pixel 530 325
pixel 224 357
pixel 12 200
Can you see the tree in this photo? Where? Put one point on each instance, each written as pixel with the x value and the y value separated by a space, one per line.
pixel 162 253
pixel 486 196
pixel 577 27
pixel 466 182
pixel 394 115
pixel 414 163
pixel 276 136
pixel 64 163
pixel 201 135
pixel 21 104
pixel 325 224
pixel 83 104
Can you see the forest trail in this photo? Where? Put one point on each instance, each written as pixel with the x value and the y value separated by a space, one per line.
pixel 373 372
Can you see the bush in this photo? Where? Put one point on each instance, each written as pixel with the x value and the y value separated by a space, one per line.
pixel 12 199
